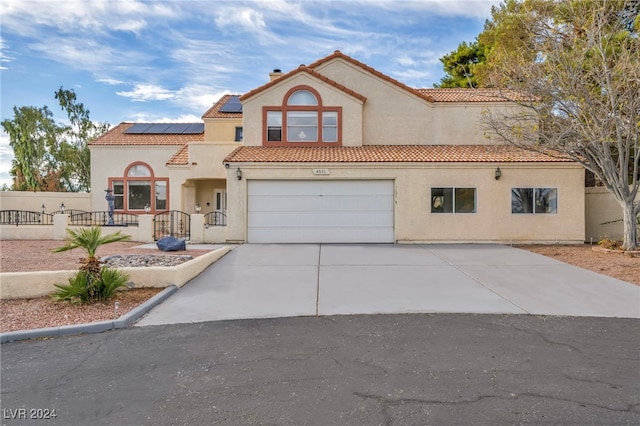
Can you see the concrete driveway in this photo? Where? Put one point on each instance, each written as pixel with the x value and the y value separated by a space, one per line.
pixel 267 280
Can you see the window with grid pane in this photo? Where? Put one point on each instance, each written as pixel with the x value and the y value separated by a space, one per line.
pixel 302 120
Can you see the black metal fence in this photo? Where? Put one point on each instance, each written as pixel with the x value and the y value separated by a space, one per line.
pixel 171 223
pixel 215 218
pixel 24 217
pixel 174 223
pixel 76 217
pixel 101 218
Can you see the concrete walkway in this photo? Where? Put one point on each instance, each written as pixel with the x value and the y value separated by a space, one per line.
pixel 264 281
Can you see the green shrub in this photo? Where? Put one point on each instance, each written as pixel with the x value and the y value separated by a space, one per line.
pixel 83 286
pixel 92 282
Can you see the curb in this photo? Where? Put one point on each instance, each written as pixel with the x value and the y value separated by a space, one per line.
pixel 123 321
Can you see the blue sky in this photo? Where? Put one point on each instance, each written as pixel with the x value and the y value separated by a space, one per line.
pixel 132 60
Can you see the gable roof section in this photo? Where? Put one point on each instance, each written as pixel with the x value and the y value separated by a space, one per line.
pixel 180 158
pixel 118 137
pixel 392 154
pixel 339 55
pixel 307 70
pixel 430 95
pixel 214 111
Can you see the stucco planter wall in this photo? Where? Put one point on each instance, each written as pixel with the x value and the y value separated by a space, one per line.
pixel 17 285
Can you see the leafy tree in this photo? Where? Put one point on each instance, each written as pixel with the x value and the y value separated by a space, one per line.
pixel 461 64
pixel 33 136
pixel 470 64
pixel 50 156
pixel 73 153
pixel 576 72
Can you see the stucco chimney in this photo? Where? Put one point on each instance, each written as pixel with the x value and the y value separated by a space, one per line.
pixel 276 74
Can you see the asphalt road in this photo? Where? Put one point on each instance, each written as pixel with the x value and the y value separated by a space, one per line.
pixel 415 369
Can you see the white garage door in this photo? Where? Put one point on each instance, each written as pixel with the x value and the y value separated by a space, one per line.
pixel 320 211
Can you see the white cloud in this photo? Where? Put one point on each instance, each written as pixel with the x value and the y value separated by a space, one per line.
pixel 198 98
pixel 406 61
pixel 478 9
pixel 191 98
pixel 73 16
pixel 5 57
pixel 6 156
pixel 155 118
pixel 148 92
pixel 110 81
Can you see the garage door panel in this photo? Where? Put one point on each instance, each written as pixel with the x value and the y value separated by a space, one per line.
pixel 283 203
pixel 355 202
pixel 320 211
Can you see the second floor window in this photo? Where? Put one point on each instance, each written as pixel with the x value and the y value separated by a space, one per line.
pixel 302 121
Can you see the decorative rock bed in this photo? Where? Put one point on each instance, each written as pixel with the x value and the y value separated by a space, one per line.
pixel 141 260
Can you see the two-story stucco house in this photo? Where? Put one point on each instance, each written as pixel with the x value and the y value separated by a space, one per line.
pixel 338 152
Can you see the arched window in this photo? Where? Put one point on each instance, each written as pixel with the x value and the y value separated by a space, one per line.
pixel 138 187
pixel 302 120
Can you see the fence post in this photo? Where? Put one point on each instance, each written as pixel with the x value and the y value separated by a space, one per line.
pixel 60 221
pixel 197 229
pixel 145 228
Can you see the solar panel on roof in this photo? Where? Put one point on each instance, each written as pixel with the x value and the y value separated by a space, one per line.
pixel 194 129
pixel 232 105
pixel 138 128
pixel 157 128
pixel 165 129
pixel 177 128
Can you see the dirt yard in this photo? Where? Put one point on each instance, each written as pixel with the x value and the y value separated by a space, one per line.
pixel 28 256
pixel 24 256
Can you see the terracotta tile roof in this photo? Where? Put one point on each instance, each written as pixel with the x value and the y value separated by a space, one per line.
pixel 116 136
pixel 471 95
pixel 338 54
pixel 214 111
pixel 431 95
pixel 390 154
pixel 308 70
pixel 180 158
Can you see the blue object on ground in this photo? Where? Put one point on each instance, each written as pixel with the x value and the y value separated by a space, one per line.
pixel 171 244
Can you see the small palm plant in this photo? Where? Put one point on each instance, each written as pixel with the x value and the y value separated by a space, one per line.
pixel 91 283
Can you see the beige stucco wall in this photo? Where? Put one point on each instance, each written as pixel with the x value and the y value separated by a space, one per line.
pixel 113 161
pixel 15 285
pixel 603 215
pixel 33 201
pixel 331 96
pixel 221 130
pixel 393 116
pixel 196 182
pixel 414 222
pixel 390 115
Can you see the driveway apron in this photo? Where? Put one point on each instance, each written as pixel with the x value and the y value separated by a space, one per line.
pixel 285 280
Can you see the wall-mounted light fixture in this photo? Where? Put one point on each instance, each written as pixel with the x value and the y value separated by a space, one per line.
pixel 239 174
pixel 43 209
pixel 498 173
pixel 147 208
pixel 198 208
pixel 62 207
